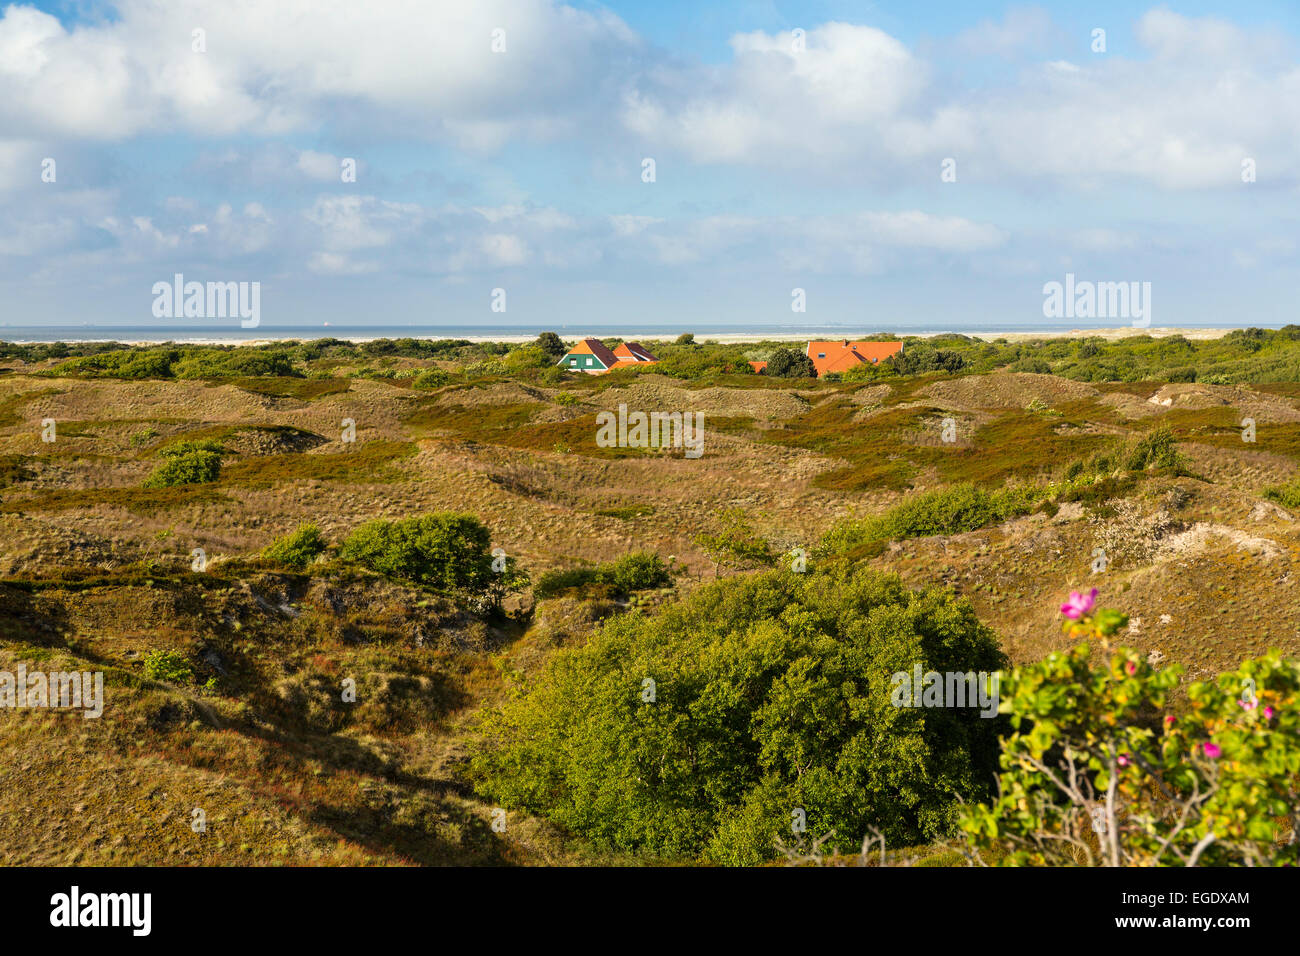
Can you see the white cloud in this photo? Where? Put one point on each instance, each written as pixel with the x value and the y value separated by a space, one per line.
pixel 859 104
pixel 334 264
pixel 322 167
pixel 1022 28
pixel 855 102
pixel 275 68
pixel 359 222
pixel 504 249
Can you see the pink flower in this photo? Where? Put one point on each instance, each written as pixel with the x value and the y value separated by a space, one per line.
pixel 1268 713
pixel 1213 751
pixel 1123 760
pixel 1249 704
pixel 1169 719
pixel 1131 667
pixel 1079 605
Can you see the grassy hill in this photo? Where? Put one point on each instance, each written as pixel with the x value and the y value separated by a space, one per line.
pixel 1060 448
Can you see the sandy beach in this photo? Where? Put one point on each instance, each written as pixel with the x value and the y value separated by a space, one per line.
pixel 722 338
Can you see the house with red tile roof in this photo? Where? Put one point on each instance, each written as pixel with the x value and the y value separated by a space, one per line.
pixel 595 358
pixel 843 355
pixel 634 353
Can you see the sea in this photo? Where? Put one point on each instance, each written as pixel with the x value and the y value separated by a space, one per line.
pixel 226 334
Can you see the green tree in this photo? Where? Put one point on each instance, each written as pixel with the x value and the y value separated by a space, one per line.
pixel 791 363
pixel 551 344
pixel 697 732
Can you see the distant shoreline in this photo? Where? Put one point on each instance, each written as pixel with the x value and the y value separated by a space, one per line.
pixel 722 338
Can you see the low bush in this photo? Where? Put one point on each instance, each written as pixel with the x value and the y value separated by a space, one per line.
pixel 638 571
pixel 126 363
pixel 297 549
pixel 1100 769
pixel 167 666
pixel 705 730
pixel 187 468
pixel 1156 450
pixel 951 510
pixel 1288 496
pixel 445 551
pixel 431 378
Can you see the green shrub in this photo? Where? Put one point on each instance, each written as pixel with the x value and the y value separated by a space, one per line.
pixel 737 546
pixel 1090 752
pixel 144 436
pixel 638 571
pixel 298 548
pixel 551 583
pixel 551 344
pixel 1288 496
pixel 771 692
pixel 188 446
pixel 528 356
pixel 1156 450
pixel 869 372
pixel 1094 491
pixel 125 363
pixel 233 363
pixel 920 358
pixel 1032 364
pixel 431 378
pixel 187 468
pixel 446 551
pixel 167 666
pixel 791 363
pixel 951 510
pixel 485 368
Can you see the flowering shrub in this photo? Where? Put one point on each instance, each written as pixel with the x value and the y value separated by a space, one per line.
pixel 1097 772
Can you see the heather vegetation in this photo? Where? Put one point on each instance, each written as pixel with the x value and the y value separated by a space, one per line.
pixel 637 656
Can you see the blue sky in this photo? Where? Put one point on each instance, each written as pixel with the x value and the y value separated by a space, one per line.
pixel 782 160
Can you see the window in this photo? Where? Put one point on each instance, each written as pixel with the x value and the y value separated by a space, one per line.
pixel 573 363
pixel 821 354
pixel 589 361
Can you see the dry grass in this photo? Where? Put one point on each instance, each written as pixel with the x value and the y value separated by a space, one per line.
pixel 96 569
